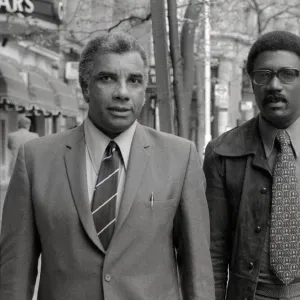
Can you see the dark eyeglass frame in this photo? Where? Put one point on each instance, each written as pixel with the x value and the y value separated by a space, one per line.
pixel 275 73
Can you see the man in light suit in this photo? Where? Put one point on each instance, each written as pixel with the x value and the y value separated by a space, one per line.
pixel 18 138
pixel 156 216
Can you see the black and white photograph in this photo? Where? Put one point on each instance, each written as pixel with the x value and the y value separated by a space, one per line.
pixel 149 150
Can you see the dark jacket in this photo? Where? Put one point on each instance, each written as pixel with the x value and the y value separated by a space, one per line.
pixel 239 183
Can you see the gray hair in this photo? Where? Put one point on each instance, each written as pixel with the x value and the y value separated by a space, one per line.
pixel 24 122
pixel 113 42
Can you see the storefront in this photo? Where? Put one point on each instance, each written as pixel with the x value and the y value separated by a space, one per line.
pixel 31 83
pixel 14 100
pixel 46 100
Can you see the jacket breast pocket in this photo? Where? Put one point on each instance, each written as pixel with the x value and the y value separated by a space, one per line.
pixel 149 216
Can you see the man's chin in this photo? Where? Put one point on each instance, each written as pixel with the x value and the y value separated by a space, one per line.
pixel 278 118
pixel 117 128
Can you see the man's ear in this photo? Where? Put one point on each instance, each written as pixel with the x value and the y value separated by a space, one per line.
pixel 86 95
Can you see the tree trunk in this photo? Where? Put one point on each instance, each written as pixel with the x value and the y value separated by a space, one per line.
pixel 182 113
pixel 183 62
pixel 161 65
pixel 200 142
pixel 187 47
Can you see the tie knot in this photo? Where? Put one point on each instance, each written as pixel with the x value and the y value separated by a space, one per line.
pixel 283 138
pixel 111 147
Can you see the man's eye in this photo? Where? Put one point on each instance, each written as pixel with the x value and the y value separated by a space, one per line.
pixel 135 80
pixel 288 73
pixel 264 74
pixel 106 78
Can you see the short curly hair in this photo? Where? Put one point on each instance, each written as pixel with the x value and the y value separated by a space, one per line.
pixel 273 41
pixel 24 122
pixel 113 42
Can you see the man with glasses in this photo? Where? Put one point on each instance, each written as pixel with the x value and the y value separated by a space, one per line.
pixel 253 178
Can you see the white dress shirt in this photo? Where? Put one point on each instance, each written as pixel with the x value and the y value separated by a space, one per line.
pixel 96 143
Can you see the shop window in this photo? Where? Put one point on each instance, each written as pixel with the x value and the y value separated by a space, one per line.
pixel 48 126
pixel 55 124
pixel 63 124
pixel 33 127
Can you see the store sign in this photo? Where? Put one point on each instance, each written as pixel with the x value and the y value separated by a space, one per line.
pixel 17 6
pixel 221 95
pixel 51 10
pixel 246 105
pixel 59 12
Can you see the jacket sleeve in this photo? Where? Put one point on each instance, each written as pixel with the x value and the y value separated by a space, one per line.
pixel 219 219
pixel 19 242
pixel 192 224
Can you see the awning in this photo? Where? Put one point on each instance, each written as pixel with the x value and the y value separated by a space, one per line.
pixel 12 86
pixel 37 91
pixel 65 97
pixel 41 94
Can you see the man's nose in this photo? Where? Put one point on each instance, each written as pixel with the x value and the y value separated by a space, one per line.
pixel 275 84
pixel 121 91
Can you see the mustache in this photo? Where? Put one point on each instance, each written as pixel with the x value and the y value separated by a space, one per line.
pixel 274 97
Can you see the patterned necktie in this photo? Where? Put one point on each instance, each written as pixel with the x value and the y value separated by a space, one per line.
pixel 285 215
pixel 105 195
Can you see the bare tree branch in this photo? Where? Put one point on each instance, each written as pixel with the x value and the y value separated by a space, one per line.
pixel 131 18
pixel 272 17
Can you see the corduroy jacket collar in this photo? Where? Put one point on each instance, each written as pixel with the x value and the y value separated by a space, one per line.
pixel 240 141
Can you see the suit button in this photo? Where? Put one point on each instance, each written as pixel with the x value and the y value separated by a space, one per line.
pixel 250 266
pixel 263 190
pixel 107 278
pixel 258 229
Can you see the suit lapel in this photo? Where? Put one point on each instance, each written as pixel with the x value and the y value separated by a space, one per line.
pixel 138 159
pixel 75 162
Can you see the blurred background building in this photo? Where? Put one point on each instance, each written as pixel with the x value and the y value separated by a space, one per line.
pixel 41 41
pixel 40 44
pixel 31 81
pixel 234 26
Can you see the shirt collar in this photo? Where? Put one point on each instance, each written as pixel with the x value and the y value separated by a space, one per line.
pixel 97 142
pixel 268 133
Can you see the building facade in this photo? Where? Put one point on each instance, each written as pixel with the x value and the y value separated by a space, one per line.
pixel 31 76
pixel 234 27
pixel 40 46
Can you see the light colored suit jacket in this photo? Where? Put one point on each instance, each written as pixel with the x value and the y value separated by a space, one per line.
pixel 15 140
pixel 47 210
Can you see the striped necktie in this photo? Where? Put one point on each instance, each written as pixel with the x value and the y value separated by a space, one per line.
pixel 285 214
pixel 105 195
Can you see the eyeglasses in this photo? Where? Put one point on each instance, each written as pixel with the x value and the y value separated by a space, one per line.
pixel 285 75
